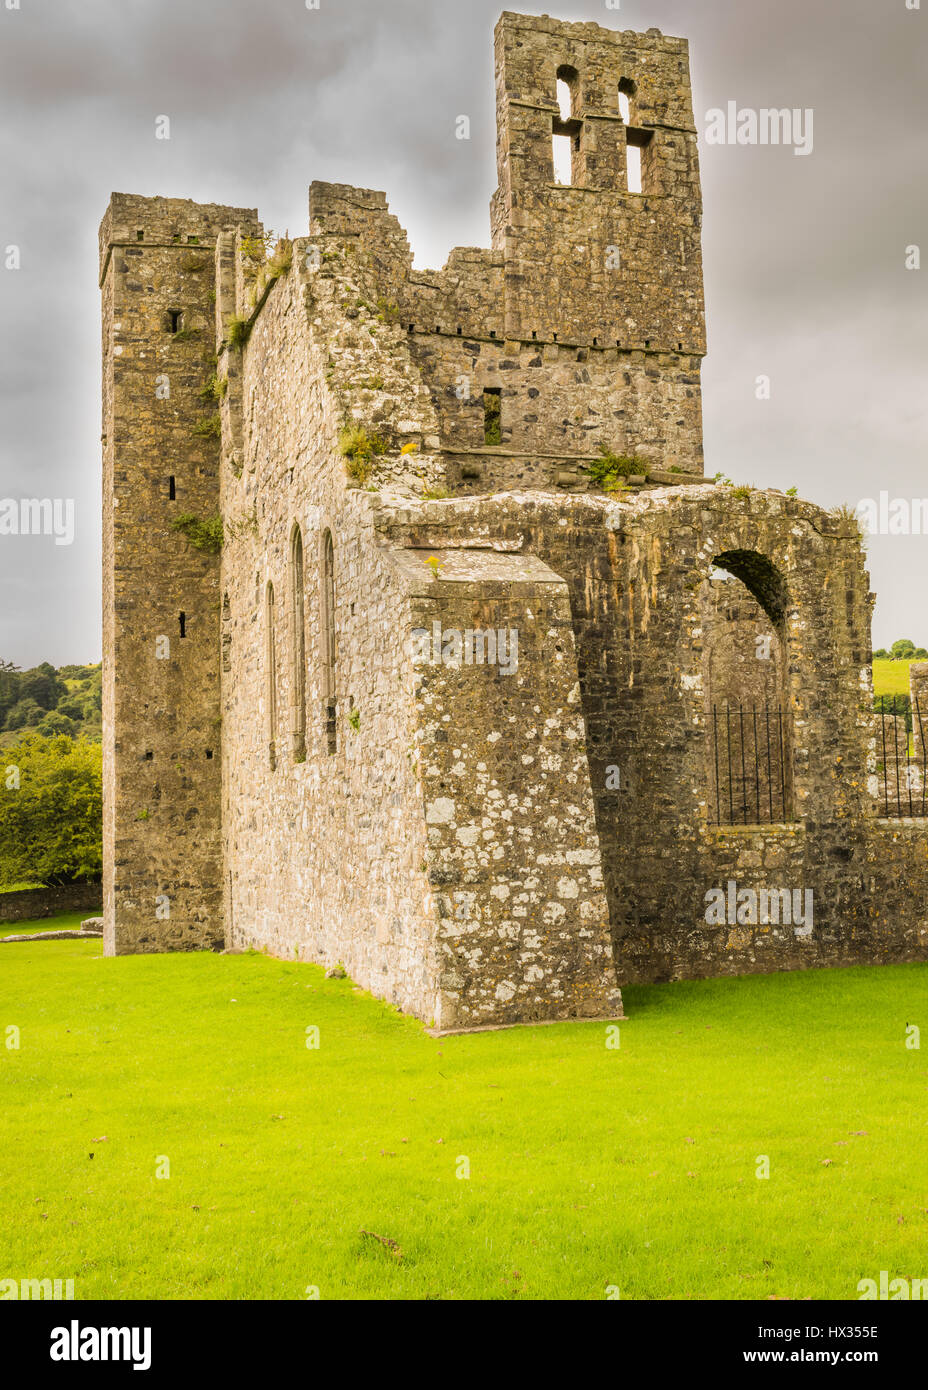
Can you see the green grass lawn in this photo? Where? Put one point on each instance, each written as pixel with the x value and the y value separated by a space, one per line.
pixel 63 921
pixel 891 677
pixel 589 1167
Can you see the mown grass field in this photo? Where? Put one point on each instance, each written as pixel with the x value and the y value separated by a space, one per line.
pixel 633 1168
pixel 63 921
pixel 891 677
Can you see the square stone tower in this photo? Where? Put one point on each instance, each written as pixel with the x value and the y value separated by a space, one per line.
pixel 161 724
pixel 609 259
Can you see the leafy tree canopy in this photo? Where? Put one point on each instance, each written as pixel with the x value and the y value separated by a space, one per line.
pixel 51 811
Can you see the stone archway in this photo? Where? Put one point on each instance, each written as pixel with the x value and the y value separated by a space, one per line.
pixel 744 602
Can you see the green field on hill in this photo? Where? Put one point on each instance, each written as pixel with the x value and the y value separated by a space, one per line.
pixel 891 677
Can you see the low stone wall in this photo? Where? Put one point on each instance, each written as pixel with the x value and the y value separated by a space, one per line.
pixel 48 902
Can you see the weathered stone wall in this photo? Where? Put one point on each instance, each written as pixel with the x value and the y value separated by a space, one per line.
pixel 161 734
pixel 918 696
pixel 322 851
pixel 27 903
pixel 636 572
pixel 512 843
pixel 332 856
pixel 556 239
pixel 476 847
pixel 588 315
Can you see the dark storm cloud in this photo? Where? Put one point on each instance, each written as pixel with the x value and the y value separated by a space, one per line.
pixel 804 265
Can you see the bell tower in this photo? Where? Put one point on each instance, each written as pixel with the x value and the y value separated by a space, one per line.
pixel 613 256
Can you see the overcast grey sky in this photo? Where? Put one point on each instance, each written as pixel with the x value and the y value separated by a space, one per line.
pixel 804 257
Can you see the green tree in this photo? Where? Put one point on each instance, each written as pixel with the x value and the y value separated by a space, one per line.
pixel 903 650
pixel 41 684
pixel 24 712
pixel 9 687
pixel 51 811
pixel 76 673
pixel 94 689
pixel 72 707
pixel 55 722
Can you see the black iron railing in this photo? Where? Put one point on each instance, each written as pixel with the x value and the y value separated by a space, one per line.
pixel 900 757
pixel 749 759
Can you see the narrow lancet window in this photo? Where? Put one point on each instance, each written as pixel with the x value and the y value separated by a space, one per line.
pixel 328 641
pixel 298 648
pixel 271 664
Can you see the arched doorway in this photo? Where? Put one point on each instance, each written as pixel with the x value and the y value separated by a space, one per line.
pixel 744 602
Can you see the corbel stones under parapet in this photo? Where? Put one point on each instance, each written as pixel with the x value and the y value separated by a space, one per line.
pixel 557 347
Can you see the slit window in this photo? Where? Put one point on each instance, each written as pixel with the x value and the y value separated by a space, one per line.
pixel 492 415
pixel 637 139
pixel 183 624
pixel 172 490
pixel 226 633
pixel 566 128
pixel 562 158
pixel 633 168
pixel 175 320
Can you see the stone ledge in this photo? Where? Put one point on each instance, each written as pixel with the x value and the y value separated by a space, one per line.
pixel 790 828
pixel 532 1023
pixel 50 936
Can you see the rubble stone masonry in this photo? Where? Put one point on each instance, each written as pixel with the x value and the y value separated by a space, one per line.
pixel 438 699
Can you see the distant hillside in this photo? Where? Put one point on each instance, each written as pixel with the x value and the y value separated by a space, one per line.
pixel 49 701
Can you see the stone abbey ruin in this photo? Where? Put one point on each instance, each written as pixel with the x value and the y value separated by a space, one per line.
pixel 454 693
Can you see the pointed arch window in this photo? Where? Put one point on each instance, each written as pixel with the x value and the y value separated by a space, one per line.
pixel 297 648
pixel 271 665
pixel 328 641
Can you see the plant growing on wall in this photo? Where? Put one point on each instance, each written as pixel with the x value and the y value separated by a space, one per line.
pixel 238 331
pixel 849 514
pixel 214 388
pixel 262 264
pixel 358 449
pixel 610 470
pixel 210 428
pixel 203 534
